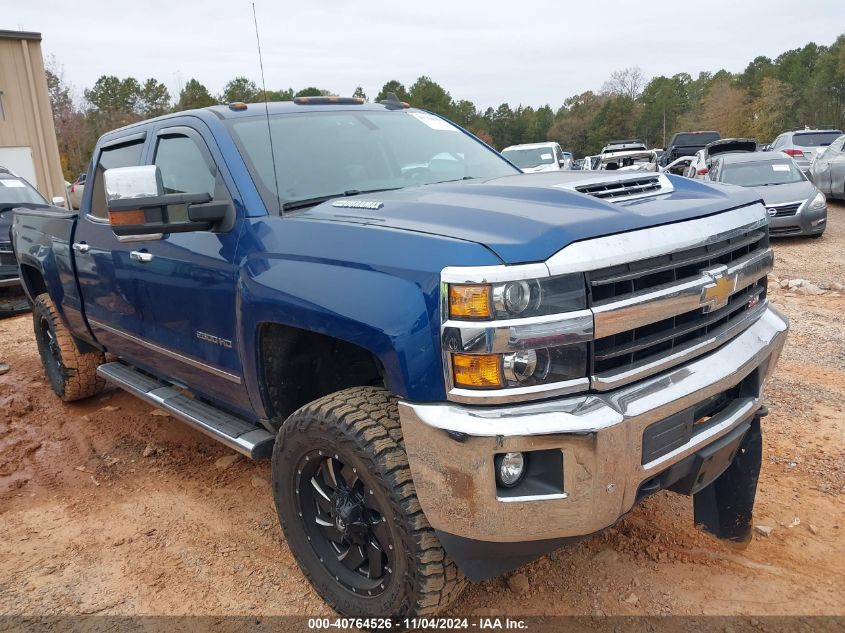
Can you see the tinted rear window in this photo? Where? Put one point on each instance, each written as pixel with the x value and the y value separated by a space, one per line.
pixel 814 139
pixel 696 139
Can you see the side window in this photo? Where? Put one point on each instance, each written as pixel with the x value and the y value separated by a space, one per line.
pixel 185 166
pixel 778 142
pixel 127 155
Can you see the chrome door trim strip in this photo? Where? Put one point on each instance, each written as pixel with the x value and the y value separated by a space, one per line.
pixel 170 353
pixel 624 248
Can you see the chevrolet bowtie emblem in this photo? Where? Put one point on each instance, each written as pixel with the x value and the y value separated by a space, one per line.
pixel 715 294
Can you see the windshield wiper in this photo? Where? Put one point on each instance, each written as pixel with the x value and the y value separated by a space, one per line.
pixel 311 202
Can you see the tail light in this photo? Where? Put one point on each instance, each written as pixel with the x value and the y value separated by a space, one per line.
pixel 795 153
pixel 701 171
pixel 73 187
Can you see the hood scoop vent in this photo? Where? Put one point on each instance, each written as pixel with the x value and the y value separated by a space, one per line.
pixel 626 189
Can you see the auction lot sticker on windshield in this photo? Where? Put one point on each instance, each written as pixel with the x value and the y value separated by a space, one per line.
pixel 434 122
pixel 780 167
pixel 12 183
pixel 546 156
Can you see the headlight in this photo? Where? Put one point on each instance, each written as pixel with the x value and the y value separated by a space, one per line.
pixel 517 299
pixel 817 202
pixel 526 333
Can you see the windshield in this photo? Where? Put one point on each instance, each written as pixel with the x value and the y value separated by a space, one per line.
pixel 320 154
pixel 530 156
pixel 759 174
pixel 15 190
pixel 815 139
pixel 695 140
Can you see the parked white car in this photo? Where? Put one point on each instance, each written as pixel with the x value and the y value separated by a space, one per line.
pixel 534 157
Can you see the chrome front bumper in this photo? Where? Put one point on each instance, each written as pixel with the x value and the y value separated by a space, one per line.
pixel 451 447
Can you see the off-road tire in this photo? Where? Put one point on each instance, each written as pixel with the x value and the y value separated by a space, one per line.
pixel 72 374
pixel 361 424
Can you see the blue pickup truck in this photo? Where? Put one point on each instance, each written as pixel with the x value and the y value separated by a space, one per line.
pixel 454 367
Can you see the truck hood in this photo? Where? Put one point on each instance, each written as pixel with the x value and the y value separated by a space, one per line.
pixel 529 217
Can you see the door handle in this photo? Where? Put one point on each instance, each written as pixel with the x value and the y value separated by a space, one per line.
pixel 141 256
pixel 81 247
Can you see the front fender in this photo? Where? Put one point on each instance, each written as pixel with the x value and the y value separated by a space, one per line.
pixel 376 288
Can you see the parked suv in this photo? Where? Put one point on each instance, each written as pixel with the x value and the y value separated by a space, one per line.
pixel 455 367
pixel 804 143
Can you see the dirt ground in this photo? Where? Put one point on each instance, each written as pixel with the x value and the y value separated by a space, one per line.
pixel 109 507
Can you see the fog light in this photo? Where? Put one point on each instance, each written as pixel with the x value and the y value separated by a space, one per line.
pixel 510 468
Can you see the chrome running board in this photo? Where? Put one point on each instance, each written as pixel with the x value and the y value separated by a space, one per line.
pixel 236 433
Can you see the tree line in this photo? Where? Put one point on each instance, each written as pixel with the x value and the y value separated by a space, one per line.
pixel 803 86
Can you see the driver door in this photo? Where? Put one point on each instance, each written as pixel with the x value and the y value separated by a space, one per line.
pixel 191 277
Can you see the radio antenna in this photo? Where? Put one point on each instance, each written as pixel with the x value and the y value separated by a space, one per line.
pixel 267 113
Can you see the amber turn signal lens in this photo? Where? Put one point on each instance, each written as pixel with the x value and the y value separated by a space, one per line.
pixel 467 302
pixel 477 370
pixel 124 218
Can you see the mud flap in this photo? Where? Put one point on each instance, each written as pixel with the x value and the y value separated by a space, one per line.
pixel 724 507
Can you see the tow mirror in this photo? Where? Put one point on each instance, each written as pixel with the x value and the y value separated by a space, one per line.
pixel 138 205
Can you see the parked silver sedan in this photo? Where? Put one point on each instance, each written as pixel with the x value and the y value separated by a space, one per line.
pixel 795 205
pixel 827 171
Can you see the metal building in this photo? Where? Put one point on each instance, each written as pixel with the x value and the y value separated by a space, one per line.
pixel 27 136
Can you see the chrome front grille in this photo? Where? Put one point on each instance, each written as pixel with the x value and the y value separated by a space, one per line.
pixel 783 210
pixel 615 282
pixel 654 313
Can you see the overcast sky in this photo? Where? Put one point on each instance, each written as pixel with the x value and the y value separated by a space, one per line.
pixel 488 51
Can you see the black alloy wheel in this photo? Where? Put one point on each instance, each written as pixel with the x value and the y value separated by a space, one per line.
pixel 344 524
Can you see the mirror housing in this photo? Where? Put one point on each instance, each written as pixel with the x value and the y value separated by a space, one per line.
pixel 59 201
pixel 137 204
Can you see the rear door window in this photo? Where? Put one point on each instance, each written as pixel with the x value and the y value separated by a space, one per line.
pixel 124 155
